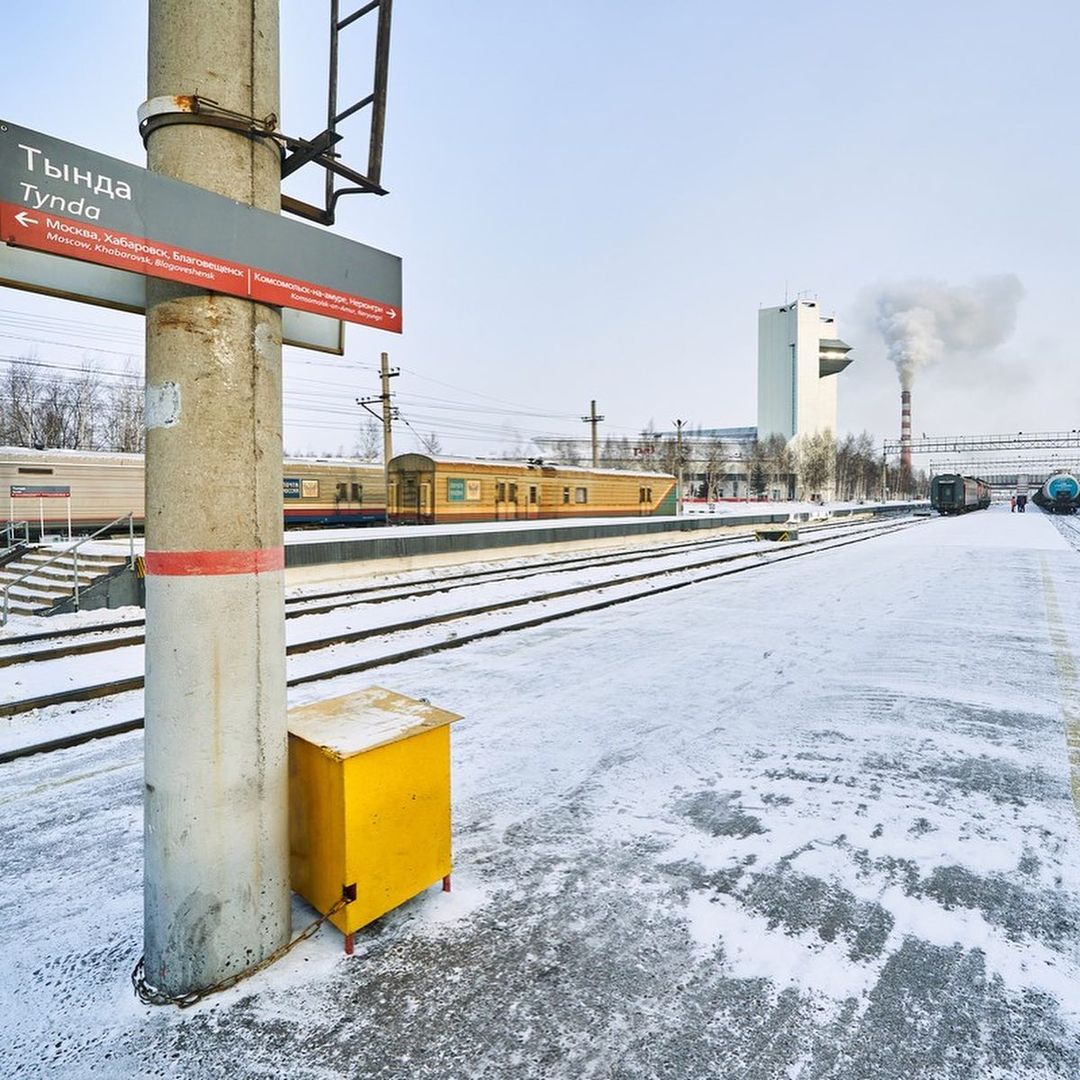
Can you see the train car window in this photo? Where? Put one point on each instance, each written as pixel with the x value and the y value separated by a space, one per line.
pixel 29 471
pixel 309 489
pixel 342 491
pixel 565 495
pixel 358 493
pixel 513 493
pixel 581 495
pixel 533 495
pixel 648 495
pixel 641 495
pixel 500 491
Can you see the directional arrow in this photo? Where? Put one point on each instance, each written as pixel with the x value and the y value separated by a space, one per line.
pixel 25 221
pixel 392 313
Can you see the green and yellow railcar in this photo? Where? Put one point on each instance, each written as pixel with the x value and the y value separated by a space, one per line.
pixel 436 490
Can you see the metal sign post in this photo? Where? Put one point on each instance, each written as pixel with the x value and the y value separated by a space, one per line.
pixel 41 492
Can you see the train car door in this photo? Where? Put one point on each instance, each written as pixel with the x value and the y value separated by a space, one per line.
pixel 532 501
pixel 503 509
pixel 409 498
pixel 424 507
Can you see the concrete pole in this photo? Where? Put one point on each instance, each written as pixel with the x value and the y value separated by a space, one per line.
pixel 593 419
pixel 387 412
pixel 216 889
pixel 387 426
pixel 678 463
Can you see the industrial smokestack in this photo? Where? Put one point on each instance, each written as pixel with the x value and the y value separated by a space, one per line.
pixel 905 433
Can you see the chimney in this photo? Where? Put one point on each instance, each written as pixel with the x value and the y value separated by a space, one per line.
pixel 905 432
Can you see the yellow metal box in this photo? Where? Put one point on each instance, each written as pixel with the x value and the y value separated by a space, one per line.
pixel 369 802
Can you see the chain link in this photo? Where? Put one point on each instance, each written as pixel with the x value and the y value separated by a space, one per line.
pixel 151 995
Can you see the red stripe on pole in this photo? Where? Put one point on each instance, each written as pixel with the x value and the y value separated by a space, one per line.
pixel 205 563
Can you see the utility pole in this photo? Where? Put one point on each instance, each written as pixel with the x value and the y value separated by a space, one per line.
pixel 593 419
pixel 216 854
pixel 678 467
pixel 389 414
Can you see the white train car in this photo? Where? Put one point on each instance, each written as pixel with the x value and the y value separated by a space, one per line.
pixel 52 489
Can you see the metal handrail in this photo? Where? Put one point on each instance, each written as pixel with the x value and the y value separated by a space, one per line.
pixel 74 551
pixel 9 531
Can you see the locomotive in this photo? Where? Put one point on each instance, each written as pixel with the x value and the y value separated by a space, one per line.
pixel 1059 495
pixel 951 493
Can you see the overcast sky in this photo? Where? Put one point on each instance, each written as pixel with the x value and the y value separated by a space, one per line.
pixel 592 199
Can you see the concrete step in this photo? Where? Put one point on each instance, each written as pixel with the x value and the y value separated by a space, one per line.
pixel 36 588
pixel 51 575
pixel 98 562
pixel 19 607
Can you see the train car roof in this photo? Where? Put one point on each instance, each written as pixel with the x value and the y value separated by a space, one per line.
pixel 28 453
pixel 494 463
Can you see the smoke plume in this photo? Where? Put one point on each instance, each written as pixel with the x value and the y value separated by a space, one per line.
pixel 923 320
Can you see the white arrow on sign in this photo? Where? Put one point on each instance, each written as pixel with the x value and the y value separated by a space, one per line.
pixel 392 313
pixel 25 221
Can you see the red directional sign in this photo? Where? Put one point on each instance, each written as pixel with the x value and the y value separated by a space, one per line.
pixel 62 199
pixel 91 243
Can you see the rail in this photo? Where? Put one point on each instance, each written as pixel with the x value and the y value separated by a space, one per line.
pixel 8 536
pixel 73 551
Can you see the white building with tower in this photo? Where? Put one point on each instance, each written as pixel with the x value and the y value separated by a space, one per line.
pixel 800 355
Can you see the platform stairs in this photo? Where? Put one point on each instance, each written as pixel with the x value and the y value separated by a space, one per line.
pixel 50 586
pixel 37 579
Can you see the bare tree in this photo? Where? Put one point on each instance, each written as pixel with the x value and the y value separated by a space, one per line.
pixel 715 466
pixel 617 454
pixel 816 459
pixel 566 450
pixel 83 402
pixel 20 389
pixel 369 442
pixel 666 455
pixel 780 463
pixel 430 443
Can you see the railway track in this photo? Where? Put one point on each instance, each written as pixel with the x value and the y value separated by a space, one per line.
pixel 82 641
pixel 567 601
pixel 1069 527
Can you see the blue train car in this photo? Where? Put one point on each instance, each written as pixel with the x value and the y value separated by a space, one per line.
pixel 1059 495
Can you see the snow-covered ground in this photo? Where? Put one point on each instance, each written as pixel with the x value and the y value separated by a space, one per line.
pixel 814 821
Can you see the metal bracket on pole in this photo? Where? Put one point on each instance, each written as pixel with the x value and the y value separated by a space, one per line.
pixel 164 111
pixel 295 152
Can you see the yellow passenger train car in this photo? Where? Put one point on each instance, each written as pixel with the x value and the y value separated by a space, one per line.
pixel 40 487
pixel 428 490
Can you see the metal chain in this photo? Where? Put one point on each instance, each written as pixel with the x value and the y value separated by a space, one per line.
pixel 151 995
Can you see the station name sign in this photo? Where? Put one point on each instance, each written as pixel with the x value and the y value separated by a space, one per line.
pixel 63 199
pixel 39 491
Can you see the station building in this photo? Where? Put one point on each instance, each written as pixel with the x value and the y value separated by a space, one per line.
pixel 800 355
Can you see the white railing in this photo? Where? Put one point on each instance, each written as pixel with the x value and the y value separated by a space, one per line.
pixel 73 551
pixel 9 533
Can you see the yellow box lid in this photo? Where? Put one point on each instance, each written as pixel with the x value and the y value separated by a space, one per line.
pixel 351 724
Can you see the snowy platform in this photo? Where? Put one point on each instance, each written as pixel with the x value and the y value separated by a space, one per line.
pixel 813 821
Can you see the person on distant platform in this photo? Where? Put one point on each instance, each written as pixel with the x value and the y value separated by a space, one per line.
pixel 1012 505
pixel 1021 502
